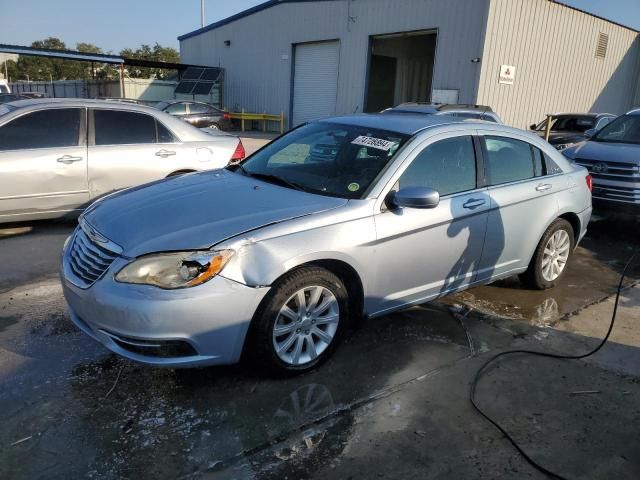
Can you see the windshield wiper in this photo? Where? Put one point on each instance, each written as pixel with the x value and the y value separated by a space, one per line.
pixel 267 177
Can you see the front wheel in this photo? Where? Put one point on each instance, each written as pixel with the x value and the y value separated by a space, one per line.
pixel 550 259
pixel 300 322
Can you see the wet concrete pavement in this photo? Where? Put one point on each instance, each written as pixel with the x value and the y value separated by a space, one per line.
pixel 392 403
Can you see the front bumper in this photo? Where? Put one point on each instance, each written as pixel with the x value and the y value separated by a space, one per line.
pixel 203 325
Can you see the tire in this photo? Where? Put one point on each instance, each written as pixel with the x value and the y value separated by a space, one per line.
pixel 275 354
pixel 555 247
pixel 214 126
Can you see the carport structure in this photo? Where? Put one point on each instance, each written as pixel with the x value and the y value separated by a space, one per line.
pixel 213 72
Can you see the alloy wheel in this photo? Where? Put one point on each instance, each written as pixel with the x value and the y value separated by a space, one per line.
pixel 555 255
pixel 306 325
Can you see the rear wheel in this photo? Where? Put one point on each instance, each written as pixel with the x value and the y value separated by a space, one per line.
pixel 550 259
pixel 300 322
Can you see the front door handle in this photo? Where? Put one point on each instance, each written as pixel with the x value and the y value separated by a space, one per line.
pixel 473 203
pixel 543 187
pixel 165 153
pixel 67 159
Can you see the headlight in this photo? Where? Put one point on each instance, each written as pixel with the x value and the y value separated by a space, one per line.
pixel 175 270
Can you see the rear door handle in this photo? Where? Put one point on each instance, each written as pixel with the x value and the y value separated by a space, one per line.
pixel 67 159
pixel 473 203
pixel 165 153
pixel 543 187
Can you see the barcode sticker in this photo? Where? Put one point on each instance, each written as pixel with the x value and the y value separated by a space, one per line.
pixel 372 142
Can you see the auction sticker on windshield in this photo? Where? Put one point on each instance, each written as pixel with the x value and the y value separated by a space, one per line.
pixel 373 142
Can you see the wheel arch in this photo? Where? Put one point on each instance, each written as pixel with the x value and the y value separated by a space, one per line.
pixel 180 172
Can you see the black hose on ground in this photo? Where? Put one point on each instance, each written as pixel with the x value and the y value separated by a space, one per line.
pixel 485 365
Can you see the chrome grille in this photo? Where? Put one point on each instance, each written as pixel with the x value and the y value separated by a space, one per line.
pixel 624 172
pixel 87 260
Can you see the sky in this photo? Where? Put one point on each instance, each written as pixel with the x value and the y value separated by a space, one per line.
pixel 117 24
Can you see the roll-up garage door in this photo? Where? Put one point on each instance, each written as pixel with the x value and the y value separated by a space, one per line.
pixel 315 81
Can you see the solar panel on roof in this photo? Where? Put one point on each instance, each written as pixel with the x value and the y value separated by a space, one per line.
pixel 192 73
pixel 185 86
pixel 211 74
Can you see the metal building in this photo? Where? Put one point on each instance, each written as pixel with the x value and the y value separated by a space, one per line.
pixel 524 58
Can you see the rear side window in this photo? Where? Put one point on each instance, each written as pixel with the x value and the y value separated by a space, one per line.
pixel 53 128
pixel 113 127
pixel 508 160
pixel 177 109
pixel 164 135
pixel 447 166
pixel 198 108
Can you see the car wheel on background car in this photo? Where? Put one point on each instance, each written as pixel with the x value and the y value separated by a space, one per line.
pixel 300 322
pixel 214 126
pixel 551 257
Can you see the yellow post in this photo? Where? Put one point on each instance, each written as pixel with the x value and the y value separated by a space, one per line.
pixel 242 120
pixel 547 130
pixel 281 123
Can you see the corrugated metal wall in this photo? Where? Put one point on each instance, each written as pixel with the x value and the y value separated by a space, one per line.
pixel 258 61
pixel 553 49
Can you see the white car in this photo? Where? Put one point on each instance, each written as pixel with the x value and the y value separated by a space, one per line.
pixel 58 155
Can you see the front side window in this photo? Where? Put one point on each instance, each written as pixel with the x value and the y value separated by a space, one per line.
pixel 52 128
pixel 569 124
pixel 114 127
pixel 624 129
pixel 447 166
pixel 326 158
pixel 508 160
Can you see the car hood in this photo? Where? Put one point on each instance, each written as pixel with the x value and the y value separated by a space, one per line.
pixel 197 211
pixel 614 152
pixel 558 138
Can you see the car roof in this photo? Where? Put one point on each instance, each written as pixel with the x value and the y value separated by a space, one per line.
pixel 583 114
pixel 408 124
pixel 439 108
pixel 80 102
pixel 635 111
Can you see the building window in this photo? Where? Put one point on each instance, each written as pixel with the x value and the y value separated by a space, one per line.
pixel 601 47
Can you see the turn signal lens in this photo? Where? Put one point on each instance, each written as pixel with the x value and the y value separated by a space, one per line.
pixel 589 180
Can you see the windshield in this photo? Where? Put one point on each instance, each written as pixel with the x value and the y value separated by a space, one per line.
pixel 571 123
pixel 624 129
pixel 326 158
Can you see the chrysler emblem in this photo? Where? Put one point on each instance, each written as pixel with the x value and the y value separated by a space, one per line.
pixel 600 168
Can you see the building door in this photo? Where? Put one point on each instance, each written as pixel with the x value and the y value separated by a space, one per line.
pixel 315 81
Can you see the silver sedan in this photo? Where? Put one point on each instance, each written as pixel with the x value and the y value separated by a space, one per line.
pixel 273 259
pixel 57 155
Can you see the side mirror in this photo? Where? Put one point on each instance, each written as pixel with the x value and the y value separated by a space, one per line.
pixel 414 197
pixel 590 133
pixel 532 126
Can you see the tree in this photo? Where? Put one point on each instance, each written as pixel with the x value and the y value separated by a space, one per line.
pixel 158 54
pixel 45 69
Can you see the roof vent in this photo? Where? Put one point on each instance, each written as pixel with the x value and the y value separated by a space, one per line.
pixel 601 47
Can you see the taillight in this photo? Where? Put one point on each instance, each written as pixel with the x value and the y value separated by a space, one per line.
pixel 589 180
pixel 239 153
pixel 226 116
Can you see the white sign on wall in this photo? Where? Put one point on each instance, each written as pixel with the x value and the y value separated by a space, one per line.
pixel 507 74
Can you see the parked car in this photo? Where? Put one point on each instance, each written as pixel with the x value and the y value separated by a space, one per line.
pixel 273 258
pixel 568 129
pixel 476 112
pixel 57 155
pixel 34 94
pixel 11 97
pixel 612 156
pixel 198 114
